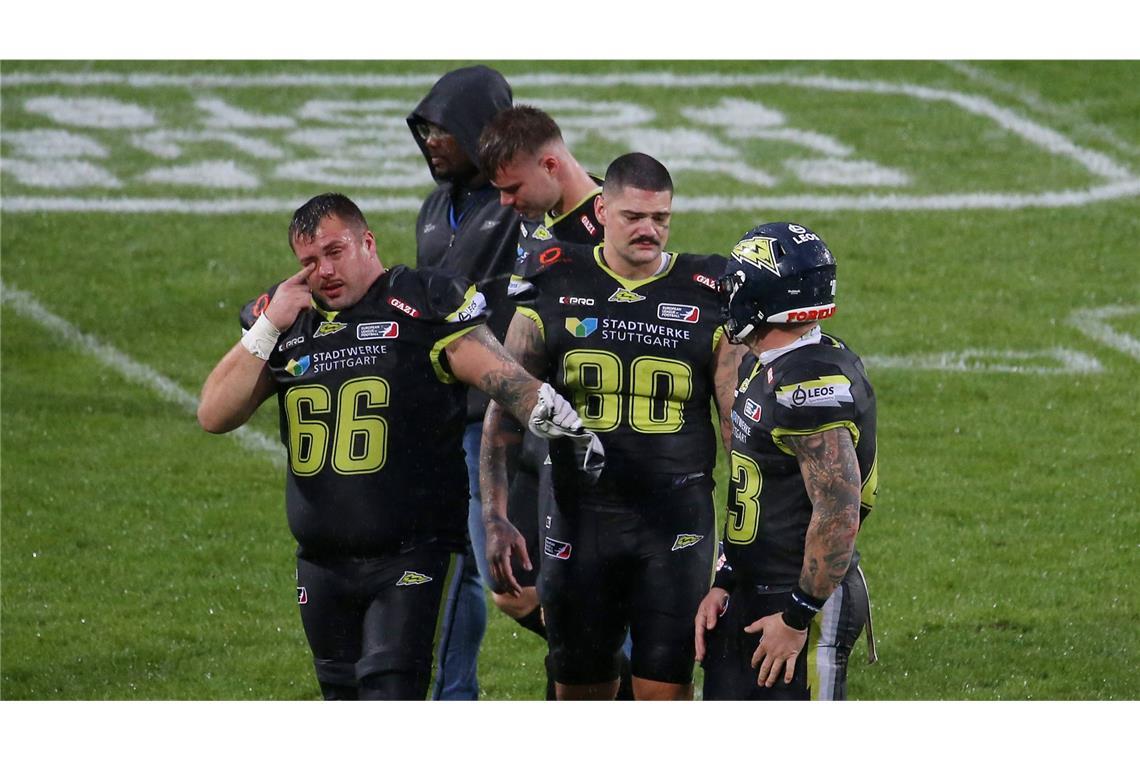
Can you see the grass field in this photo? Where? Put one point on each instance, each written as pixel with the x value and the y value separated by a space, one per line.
pixel 985 217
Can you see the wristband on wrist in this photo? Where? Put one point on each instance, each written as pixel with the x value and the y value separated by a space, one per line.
pixel 802 607
pixel 260 339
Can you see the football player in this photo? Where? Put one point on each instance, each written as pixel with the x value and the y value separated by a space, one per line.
pixel 631 334
pixel 802 467
pixel 370 367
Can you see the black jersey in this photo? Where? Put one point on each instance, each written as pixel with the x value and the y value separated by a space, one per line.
pixel 372 417
pixel 811 388
pixel 636 360
pixel 578 225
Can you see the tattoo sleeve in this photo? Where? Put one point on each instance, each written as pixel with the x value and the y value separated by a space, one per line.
pixel 831 476
pixel 725 368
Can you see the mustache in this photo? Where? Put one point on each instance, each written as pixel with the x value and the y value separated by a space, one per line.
pixel 645 239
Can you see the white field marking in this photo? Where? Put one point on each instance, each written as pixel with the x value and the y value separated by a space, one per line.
pixel 735 169
pixel 1034 101
pixel 353 172
pixel 224 116
pixel 1054 361
pixel 1045 138
pixel 57 174
pixel 366 113
pixel 737 113
pixel 51 143
pixel 837 171
pixel 812 140
pixel 133 371
pixel 581 116
pixel 382 142
pixel 681 204
pixel 166 143
pixel 103 113
pixel 1093 323
pixel 202 174
pixel 670 145
pixel 389 204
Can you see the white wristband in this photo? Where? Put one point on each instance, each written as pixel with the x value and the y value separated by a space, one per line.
pixel 260 339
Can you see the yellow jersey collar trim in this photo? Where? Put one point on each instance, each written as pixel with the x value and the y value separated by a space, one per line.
pixel 550 221
pixel 634 284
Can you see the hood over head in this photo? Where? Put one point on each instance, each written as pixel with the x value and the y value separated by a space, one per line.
pixel 463 101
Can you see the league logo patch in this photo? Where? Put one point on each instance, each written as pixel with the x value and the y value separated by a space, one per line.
pixel 678 312
pixel 556 549
pixel 759 252
pixel 581 328
pixel 829 390
pixel 412 578
pixel 621 295
pixel 751 410
pixel 298 367
pixel 329 328
pixel 302 595
pixel 685 540
pixel 378 331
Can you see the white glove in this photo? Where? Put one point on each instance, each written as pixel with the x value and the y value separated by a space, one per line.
pixel 552 416
pixel 589 454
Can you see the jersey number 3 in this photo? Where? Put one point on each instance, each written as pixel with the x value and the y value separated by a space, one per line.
pixel 360 436
pixel 743 516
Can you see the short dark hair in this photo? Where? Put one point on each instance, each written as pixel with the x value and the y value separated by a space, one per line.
pixel 516 130
pixel 639 171
pixel 307 218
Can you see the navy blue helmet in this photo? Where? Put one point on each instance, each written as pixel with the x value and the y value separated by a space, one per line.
pixel 778 273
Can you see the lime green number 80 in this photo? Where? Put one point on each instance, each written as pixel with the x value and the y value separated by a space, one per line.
pixel 656 403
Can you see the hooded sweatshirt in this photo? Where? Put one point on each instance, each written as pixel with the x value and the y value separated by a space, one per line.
pixel 464 230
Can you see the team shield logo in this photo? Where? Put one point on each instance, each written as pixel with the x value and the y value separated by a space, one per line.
pixel 328 328
pixel 412 578
pixel 760 252
pixel 685 540
pixel 581 328
pixel 621 295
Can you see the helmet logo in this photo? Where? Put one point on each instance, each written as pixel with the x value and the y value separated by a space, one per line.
pixel 760 252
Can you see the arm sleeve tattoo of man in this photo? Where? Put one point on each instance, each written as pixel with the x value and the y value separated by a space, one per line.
pixel 831 475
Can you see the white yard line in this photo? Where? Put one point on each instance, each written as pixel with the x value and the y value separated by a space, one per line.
pixel 1093 323
pixel 682 204
pixel 134 371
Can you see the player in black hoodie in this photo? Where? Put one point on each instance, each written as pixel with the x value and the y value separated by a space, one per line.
pixel 463 230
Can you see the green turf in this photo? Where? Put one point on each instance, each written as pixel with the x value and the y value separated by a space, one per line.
pixel 144 559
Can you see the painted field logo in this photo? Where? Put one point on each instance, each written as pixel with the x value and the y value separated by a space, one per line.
pixel 752 410
pixel 759 252
pixel 621 295
pixel 378 331
pixel 412 578
pixel 829 390
pixel 685 540
pixel 298 367
pixel 556 549
pixel 581 328
pixel 329 328
pixel 677 312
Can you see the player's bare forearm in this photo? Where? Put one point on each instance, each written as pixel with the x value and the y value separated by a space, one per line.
pixel 500 434
pixel 525 343
pixel 235 388
pixel 479 360
pixel 728 356
pixel 831 476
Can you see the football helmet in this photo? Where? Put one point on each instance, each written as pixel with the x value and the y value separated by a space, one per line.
pixel 778 273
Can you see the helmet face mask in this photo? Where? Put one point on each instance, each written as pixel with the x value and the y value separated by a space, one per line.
pixel 779 273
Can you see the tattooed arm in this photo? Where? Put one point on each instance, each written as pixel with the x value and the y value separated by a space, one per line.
pixel 726 363
pixel 509 385
pixel 831 476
